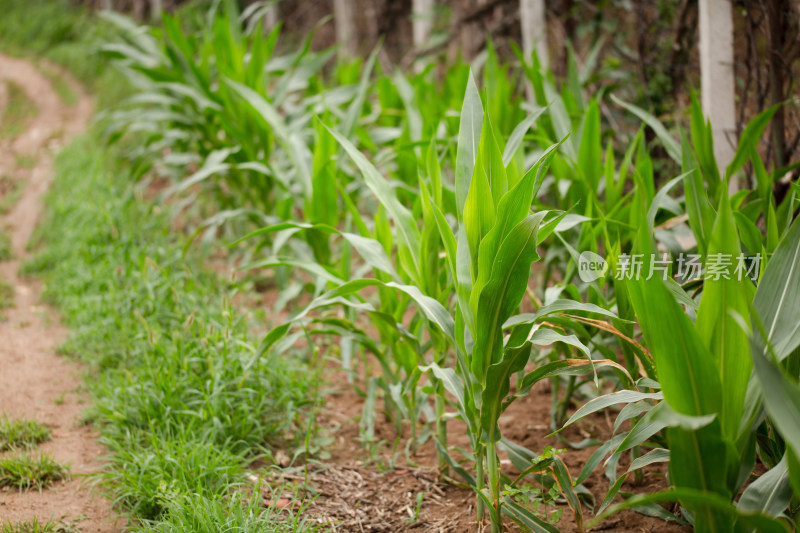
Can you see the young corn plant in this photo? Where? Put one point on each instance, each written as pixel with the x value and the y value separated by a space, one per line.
pixel 488 257
pixel 711 406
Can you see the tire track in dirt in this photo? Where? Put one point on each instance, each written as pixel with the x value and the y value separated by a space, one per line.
pixel 35 382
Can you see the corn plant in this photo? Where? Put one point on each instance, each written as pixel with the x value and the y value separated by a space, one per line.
pixel 711 400
pixel 488 257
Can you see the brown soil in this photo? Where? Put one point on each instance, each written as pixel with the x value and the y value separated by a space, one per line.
pixel 35 382
pixel 360 491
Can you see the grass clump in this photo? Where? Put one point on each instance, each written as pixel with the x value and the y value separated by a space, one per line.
pixel 22 433
pixel 201 514
pixel 24 471
pixel 6 298
pixel 179 397
pixel 35 526
pixel 10 191
pixel 18 111
pixel 6 252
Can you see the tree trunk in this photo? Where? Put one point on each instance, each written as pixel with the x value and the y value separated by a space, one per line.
pixel 716 78
pixel 776 10
pixel 421 21
pixel 155 10
pixel 344 18
pixel 270 18
pixel 532 17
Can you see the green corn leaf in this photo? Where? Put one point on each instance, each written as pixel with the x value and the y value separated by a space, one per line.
pixel 567 488
pixel 405 224
pixel 490 163
pixel 503 292
pixel 296 149
pixel 546 337
pixel 469 136
pixel 565 367
pixel 590 151
pixel 724 338
pixel 782 399
pixel 769 494
pixel 607 400
pixel 777 300
pixel 516 137
pixel 672 146
pixel 370 250
pixel 479 215
pixel 556 306
pixel 451 381
pixel 525 518
pixel 312 267
pixel 498 384
pixel 659 417
pixel 357 105
pixel 719 505
pixel 658 455
pixel 597 456
pixel 688 375
pixel 514 206
pixel 699 209
pixel 749 139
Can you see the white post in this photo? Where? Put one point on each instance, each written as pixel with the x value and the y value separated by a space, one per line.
pixel 270 17
pixel 155 10
pixel 716 78
pixel 106 4
pixel 534 29
pixel 421 21
pixel 344 19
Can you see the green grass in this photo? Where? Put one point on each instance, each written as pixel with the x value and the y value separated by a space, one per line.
pixel 22 433
pixel 200 514
pixel 24 471
pixel 35 526
pixel 18 111
pixel 179 398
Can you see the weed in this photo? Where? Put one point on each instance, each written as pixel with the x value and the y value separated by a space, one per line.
pixel 6 252
pixel 18 111
pixel 201 514
pixel 179 398
pixel 10 191
pixel 24 471
pixel 22 433
pixel 34 526
pixel 6 297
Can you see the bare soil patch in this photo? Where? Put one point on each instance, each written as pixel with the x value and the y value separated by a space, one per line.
pixel 378 492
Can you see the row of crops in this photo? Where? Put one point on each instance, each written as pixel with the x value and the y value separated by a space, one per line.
pixel 440 224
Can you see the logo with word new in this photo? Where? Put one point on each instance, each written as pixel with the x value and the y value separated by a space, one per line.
pixel 591 267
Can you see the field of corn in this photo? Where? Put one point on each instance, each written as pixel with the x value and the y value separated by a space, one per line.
pixel 545 305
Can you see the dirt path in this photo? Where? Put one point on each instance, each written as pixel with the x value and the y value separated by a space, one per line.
pixel 35 382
